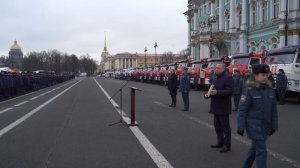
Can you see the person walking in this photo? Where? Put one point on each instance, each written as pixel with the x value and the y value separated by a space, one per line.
pixel 220 107
pixel 238 88
pixel 257 114
pixel 172 87
pixel 184 88
pixel 281 85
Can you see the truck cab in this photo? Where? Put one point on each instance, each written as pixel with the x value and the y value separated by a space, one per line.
pixel 243 62
pixel 196 72
pixel 288 59
pixel 212 62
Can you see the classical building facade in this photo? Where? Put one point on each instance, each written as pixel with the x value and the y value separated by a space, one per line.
pixel 226 27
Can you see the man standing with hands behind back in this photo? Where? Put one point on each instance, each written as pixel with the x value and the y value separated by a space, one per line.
pixel 220 106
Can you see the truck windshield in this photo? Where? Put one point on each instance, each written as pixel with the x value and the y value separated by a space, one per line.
pixel 281 59
pixel 182 65
pixel 213 64
pixel 239 61
pixel 196 65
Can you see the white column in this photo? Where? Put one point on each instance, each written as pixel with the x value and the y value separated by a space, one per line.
pixel 296 39
pixel 282 38
pixel 244 15
pixel 232 16
pixel 221 15
pixel 136 62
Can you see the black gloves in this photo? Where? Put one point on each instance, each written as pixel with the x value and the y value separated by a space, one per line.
pixel 271 132
pixel 240 132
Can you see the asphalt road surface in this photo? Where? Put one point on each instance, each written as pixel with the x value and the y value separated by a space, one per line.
pixel 77 125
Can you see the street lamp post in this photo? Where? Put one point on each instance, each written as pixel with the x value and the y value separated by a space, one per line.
pixel 286 23
pixel 211 20
pixel 155 45
pixel 145 55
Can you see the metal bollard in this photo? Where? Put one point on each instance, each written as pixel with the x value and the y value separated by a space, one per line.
pixel 132 114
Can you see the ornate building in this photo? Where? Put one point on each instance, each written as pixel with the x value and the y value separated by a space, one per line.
pixel 105 56
pixel 226 27
pixel 15 56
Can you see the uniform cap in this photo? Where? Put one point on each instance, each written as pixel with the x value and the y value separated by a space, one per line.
pixel 260 68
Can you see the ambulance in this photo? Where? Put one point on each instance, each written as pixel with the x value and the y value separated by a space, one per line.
pixel 288 59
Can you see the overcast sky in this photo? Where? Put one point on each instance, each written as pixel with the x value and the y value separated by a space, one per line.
pixel 78 26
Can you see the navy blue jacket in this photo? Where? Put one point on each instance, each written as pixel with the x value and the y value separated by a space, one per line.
pixel 220 103
pixel 238 85
pixel 184 84
pixel 257 112
pixel 172 84
pixel 281 82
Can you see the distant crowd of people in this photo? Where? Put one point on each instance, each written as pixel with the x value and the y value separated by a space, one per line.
pixel 13 84
pixel 254 100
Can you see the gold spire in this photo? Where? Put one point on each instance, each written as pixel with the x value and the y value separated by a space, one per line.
pixel 105 47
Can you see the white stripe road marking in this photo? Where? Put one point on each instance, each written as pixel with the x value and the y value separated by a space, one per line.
pixel 274 154
pixel 34 98
pixel 42 94
pixel 5 110
pixel 22 119
pixel 21 103
pixel 156 156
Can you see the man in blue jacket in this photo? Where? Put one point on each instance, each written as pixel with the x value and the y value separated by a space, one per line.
pixel 238 88
pixel 184 88
pixel 257 114
pixel 220 106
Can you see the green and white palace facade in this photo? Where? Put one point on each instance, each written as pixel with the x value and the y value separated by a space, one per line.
pixel 240 26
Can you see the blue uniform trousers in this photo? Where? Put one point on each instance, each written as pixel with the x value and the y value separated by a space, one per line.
pixel 223 130
pixel 236 99
pixel 257 151
pixel 185 97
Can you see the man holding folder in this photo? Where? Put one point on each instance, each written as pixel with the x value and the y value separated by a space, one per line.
pixel 220 94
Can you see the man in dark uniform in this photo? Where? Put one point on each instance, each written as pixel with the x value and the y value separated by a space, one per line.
pixel 257 114
pixel 281 85
pixel 238 88
pixel 172 87
pixel 220 106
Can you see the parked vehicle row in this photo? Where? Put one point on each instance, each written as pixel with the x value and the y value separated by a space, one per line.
pixel 287 58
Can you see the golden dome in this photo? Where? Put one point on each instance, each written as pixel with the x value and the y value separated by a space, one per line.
pixel 15 46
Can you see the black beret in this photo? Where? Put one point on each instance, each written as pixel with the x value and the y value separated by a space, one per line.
pixel 260 68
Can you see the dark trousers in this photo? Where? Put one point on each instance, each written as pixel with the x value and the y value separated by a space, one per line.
pixel 185 97
pixel 236 99
pixel 257 151
pixel 173 100
pixel 281 95
pixel 223 130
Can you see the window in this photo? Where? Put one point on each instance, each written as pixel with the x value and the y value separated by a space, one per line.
pixel 209 8
pixel 240 19
pixel 298 58
pixel 254 14
pixel 264 12
pixel 275 9
pixel 204 9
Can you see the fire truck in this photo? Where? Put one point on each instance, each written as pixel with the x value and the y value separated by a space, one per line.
pixel 163 73
pixel 197 73
pixel 181 64
pixel 243 62
pixel 212 62
pixel 288 59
